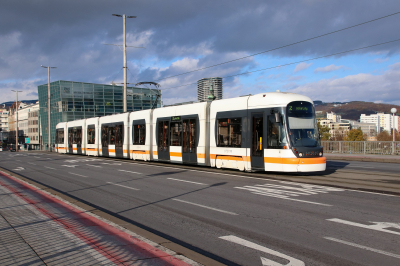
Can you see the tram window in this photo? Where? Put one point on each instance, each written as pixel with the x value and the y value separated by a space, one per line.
pixel 163 134
pixel 229 132
pixel 78 137
pixel 189 135
pixel 139 134
pixel 276 138
pixel 104 136
pixel 60 136
pixel 176 134
pixel 70 137
pixel 91 135
pixel 111 133
pixel 119 135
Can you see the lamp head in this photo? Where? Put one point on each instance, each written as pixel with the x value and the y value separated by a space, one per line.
pixel 393 110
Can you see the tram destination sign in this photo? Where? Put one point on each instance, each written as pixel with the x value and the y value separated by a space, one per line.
pixel 176 118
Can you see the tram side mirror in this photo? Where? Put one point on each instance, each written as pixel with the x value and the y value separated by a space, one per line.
pixel 277 118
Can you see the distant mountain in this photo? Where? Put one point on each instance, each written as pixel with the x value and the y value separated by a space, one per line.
pixel 353 110
pixel 8 104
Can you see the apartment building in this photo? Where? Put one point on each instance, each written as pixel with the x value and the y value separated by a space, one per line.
pixel 28 125
pixel 382 121
pixel 203 88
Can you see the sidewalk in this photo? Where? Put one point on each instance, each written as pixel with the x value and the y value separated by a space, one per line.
pixel 363 157
pixel 39 229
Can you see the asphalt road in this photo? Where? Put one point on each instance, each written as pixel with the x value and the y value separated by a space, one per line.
pixel 232 217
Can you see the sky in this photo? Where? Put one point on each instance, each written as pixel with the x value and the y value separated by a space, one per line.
pixel 182 36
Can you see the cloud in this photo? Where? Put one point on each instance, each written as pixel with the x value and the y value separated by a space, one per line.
pixel 301 67
pixel 380 60
pixel 294 78
pixel 359 87
pixel 70 35
pixel 327 69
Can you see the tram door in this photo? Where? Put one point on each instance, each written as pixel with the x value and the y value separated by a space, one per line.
pixel 189 153
pixel 257 145
pixel 70 140
pixel 104 140
pixel 119 153
pixel 78 139
pixel 163 140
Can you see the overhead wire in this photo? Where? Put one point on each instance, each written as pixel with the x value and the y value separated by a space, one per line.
pixel 292 63
pixel 284 46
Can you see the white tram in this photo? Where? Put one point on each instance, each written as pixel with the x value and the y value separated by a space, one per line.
pixel 275 131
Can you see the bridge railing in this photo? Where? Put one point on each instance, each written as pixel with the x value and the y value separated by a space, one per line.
pixel 362 147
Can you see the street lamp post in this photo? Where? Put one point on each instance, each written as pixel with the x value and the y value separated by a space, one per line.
pixel 124 45
pixel 16 126
pixel 393 110
pixel 48 104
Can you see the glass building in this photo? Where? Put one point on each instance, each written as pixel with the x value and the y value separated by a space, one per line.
pixel 70 100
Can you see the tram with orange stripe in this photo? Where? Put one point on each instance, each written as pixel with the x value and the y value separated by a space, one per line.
pixel 275 131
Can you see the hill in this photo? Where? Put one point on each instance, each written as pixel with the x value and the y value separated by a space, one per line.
pixel 8 104
pixel 353 110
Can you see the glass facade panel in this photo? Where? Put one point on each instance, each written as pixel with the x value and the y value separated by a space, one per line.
pixel 71 100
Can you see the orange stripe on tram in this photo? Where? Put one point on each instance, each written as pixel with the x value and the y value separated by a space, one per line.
pixel 140 152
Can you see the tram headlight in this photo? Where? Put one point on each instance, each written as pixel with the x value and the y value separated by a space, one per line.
pixel 300 154
pixel 320 153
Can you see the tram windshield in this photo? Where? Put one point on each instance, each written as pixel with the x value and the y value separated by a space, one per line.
pixel 303 129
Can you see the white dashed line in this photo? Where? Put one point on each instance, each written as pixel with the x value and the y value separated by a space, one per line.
pixel 187 181
pixel 50 168
pixel 32 163
pixel 130 172
pixel 364 247
pixel 122 186
pixel 94 165
pixel 210 208
pixel 76 174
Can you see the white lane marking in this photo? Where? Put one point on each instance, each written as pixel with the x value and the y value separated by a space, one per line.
pixel 187 181
pixel 18 160
pixel 19 168
pixel 94 165
pixel 66 165
pixel 364 247
pixel 378 226
pixel 286 192
pixel 130 172
pixel 76 174
pixel 112 163
pixel 50 168
pixel 32 163
pixel 123 186
pixel 243 242
pixel 210 208
pixel 252 177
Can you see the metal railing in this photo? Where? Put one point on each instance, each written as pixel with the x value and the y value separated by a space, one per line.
pixel 362 147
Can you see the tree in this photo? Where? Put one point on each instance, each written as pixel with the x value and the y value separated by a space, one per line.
pixel 384 136
pixel 338 135
pixel 324 131
pixel 355 135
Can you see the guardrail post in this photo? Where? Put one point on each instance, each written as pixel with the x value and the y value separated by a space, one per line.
pixel 340 147
pixel 393 148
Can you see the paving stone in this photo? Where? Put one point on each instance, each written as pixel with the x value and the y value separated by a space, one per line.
pixel 16 250
pixel 31 261
pixel 89 257
pixel 10 236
